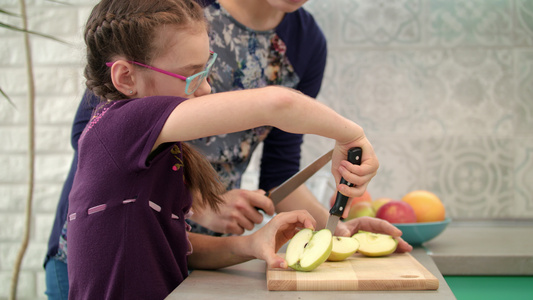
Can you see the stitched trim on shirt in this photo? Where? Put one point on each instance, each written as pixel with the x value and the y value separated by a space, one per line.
pixel 96 209
pixel 154 206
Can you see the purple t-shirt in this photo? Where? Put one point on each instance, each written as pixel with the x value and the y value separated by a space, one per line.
pixel 126 221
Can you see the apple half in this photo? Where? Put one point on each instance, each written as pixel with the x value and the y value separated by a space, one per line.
pixel 308 249
pixel 375 244
pixel 343 247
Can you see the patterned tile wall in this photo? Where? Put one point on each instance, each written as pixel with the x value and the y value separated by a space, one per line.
pixel 444 90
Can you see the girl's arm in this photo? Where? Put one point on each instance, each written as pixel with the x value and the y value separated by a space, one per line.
pixel 281 107
pixel 211 252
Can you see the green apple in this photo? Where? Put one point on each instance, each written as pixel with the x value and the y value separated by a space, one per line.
pixel 375 244
pixel 308 249
pixel 361 209
pixel 343 247
pixel 376 204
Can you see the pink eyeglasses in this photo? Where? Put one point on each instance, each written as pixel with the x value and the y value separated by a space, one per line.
pixel 193 81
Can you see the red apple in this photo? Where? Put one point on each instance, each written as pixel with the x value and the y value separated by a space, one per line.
pixel 396 211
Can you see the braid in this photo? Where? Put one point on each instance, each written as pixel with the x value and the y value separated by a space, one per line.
pixel 96 72
pixel 126 28
pixel 107 37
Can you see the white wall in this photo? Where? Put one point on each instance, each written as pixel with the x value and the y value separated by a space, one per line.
pixel 444 91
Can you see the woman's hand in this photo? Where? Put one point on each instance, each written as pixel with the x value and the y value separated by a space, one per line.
pixel 377 226
pixel 266 242
pixel 370 224
pixel 237 213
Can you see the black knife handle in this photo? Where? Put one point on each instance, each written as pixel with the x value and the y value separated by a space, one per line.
pixel 354 156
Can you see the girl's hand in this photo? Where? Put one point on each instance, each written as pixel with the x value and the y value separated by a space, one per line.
pixel 361 175
pixel 266 242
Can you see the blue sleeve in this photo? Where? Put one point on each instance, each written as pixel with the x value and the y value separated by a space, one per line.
pixel 307 52
pixel 83 115
pixel 306 49
pixel 281 158
pixel 205 3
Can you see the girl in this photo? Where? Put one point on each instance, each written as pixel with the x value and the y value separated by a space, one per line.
pixel 136 180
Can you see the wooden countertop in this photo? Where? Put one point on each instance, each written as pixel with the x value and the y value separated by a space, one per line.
pixel 249 279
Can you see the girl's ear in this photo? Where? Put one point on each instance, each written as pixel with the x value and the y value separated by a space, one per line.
pixel 123 77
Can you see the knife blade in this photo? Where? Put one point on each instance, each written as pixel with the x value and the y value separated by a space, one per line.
pixel 335 213
pixel 289 185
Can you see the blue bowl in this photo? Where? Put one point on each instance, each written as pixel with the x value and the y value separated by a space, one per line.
pixel 418 233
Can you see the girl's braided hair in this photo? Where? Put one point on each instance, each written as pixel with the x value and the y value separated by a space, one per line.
pixel 126 28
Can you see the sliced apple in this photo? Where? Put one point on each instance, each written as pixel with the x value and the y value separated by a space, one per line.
pixel 375 244
pixel 308 249
pixel 343 247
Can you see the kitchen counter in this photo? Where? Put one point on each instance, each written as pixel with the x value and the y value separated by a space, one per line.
pixel 484 248
pixel 500 249
pixel 250 279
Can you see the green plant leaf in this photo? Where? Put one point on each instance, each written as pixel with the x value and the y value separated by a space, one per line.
pixel 9 13
pixel 7 97
pixel 60 2
pixel 11 27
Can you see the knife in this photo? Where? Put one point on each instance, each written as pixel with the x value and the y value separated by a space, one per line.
pixel 287 187
pixel 335 213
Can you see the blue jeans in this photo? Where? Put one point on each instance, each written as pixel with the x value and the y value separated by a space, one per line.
pixel 56 280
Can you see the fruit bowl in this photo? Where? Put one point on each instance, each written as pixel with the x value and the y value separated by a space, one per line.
pixel 418 233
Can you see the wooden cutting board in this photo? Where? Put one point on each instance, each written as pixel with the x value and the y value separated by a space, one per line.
pixel 398 271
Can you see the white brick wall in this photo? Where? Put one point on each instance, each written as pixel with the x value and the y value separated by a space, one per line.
pixel 59 86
